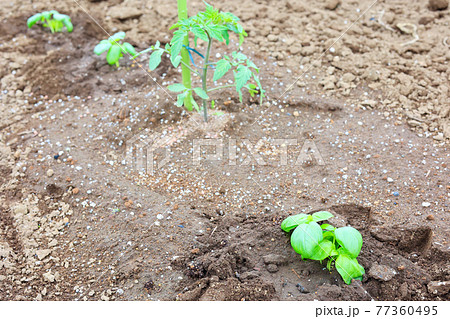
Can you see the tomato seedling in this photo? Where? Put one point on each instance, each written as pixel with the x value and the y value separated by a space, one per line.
pixel 115 48
pixel 208 25
pixel 340 246
pixel 53 20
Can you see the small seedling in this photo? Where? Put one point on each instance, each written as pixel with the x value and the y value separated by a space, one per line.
pixel 115 48
pixel 208 25
pixel 340 246
pixel 51 19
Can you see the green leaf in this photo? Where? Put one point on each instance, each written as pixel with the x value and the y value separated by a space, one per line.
pixel 199 33
pixel 177 42
pixel 113 55
pixel 103 46
pixel 200 92
pixel 181 97
pixel 261 91
pixel 350 239
pixel 305 239
pixel 327 227
pixel 226 36
pixel 177 87
pixel 176 60
pixel 214 32
pixel 349 268
pixel 293 221
pixel 48 14
pixel 117 36
pixel 242 76
pixel 322 250
pixel 322 215
pixel 250 64
pixel 128 48
pixel 194 104
pixel 241 39
pixel 155 59
pixel 60 17
pixel 34 19
pixel 68 24
pixel 222 67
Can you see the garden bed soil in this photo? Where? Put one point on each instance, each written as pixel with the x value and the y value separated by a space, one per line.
pixel 367 123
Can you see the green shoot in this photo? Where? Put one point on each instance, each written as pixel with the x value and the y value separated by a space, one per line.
pixel 340 246
pixel 209 26
pixel 53 20
pixel 113 45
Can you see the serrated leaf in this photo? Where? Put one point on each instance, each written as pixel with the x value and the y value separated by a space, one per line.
pixel 177 87
pixel 199 33
pixel 117 36
pixel 214 32
pixel 226 36
pixel 241 39
pixel 222 67
pixel 155 59
pixel 103 46
pixel 242 76
pixel 176 60
pixel 250 64
pixel 200 92
pixel 305 239
pixel 293 221
pixel 177 42
pixel 34 19
pixel 128 48
pixel 194 104
pixel 350 239
pixel 349 268
pixel 180 98
pixel 322 215
pixel 113 55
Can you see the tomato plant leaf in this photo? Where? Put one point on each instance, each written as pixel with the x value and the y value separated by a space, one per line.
pixel 242 76
pixel 305 238
pixel 350 239
pixel 155 59
pixel 177 87
pixel 175 61
pixel 181 97
pixel 222 67
pixel 200 92
pixel 177 42
pixel 199 33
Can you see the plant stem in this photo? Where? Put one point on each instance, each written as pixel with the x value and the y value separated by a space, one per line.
pixel 222 87
pixel 205 73
pixel 185 72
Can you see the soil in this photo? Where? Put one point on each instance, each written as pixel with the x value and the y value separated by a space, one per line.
pixel 366 127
